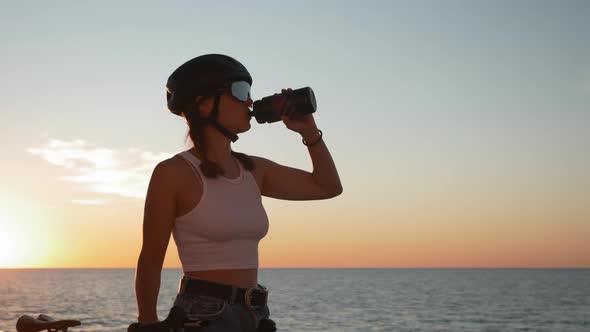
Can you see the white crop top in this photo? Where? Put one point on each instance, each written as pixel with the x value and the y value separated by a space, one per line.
pixel 223 230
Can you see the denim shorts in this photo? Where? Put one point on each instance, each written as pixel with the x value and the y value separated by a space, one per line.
pixel 211 314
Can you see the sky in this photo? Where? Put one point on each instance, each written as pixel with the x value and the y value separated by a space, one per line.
pixel 459 129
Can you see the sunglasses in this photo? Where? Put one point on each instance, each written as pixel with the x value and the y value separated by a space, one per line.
pixel 240 90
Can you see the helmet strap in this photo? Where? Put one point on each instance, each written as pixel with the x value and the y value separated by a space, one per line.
pixel 212 120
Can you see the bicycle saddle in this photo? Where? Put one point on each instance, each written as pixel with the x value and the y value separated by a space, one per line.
pixel 27 323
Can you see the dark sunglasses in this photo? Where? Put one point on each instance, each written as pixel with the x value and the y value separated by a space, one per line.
pixel 240 90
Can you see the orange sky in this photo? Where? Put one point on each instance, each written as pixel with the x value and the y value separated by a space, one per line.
pixel 310 234
pixel 456 147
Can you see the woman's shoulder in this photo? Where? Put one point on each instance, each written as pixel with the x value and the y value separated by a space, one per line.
pixel 259 165
pixel 173 162
pixel 173 168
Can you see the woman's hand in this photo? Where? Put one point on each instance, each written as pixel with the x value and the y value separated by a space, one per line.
pixel 300 123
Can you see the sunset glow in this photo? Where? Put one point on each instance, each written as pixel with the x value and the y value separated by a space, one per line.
pixel 460 132
pixel 26 236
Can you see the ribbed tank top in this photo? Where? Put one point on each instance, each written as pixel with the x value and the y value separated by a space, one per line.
pixel 223 230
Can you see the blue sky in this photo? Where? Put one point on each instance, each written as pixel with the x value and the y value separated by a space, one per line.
pixel 420 102
pixel 459 79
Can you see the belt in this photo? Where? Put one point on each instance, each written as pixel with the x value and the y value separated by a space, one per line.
pixel 251 297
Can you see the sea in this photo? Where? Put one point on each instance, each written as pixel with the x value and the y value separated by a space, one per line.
pixel 338 300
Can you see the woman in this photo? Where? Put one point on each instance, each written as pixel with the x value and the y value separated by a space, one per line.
pixel 209 198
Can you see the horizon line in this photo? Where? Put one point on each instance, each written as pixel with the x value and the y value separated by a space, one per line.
pixel 310 268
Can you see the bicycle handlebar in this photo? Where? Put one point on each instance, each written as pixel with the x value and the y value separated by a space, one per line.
pixel 174 322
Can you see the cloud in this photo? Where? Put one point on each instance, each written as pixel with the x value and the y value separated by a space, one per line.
pixel 102 170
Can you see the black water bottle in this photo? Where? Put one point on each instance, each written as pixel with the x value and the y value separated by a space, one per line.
pixel 269 109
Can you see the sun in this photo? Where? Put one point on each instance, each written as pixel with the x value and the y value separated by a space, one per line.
pixel 23 233
pixel 12 243
pixel 9 249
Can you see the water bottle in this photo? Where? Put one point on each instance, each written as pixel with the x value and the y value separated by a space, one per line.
pixel 269 109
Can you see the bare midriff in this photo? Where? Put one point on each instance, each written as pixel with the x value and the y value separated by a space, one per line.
pixel 245 278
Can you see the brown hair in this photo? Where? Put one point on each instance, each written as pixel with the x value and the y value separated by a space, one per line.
pixel 195 124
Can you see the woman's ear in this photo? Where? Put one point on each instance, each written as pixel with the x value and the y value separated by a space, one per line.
pixel 205 105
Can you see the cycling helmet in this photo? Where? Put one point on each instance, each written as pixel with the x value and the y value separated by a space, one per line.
pixel 205 76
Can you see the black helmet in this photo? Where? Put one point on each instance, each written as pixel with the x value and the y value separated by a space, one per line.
pixel 204 75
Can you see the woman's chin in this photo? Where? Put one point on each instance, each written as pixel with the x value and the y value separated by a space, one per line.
pixel 245 128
